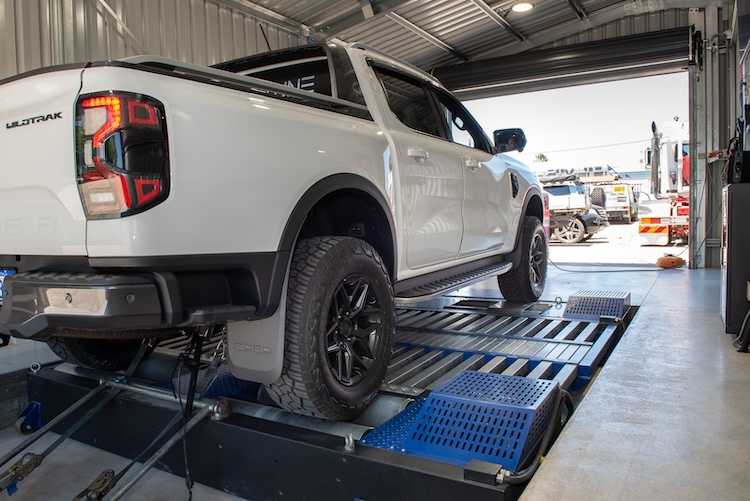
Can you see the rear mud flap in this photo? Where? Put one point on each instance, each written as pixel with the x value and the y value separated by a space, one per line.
pixel 256 347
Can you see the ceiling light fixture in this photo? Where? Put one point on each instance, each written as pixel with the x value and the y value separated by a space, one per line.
pixel 522 7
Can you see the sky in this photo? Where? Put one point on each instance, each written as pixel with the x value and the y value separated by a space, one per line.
pixel 589 125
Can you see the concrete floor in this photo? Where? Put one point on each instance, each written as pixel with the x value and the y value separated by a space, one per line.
pixel 665 418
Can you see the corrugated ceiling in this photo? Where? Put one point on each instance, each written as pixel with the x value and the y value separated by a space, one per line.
pixel 434 34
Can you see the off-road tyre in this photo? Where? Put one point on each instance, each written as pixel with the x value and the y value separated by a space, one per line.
pixel 99 354
pixel 525 283
pixel 598 197
pixel 339 307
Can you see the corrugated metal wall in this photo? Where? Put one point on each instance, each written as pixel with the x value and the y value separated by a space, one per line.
pixel 38 33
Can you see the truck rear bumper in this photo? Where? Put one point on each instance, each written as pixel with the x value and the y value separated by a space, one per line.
pixel 618 214
pixel 35 305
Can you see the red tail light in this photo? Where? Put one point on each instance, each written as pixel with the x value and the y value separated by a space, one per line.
pixel 122 154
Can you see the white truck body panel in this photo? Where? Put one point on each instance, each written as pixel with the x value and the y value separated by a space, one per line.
pixel 40 210
pixel 220 150
pixel 657 218
pixel 620 201
pixel 568 197
pixel 431 184
pixel 451 212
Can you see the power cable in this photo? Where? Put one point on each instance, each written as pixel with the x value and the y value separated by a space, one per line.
pixel 742 341
pixel 590 147
pixel 716 214
pixel 656 268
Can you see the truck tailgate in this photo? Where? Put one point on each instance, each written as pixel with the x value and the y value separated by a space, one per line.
pixel 40 208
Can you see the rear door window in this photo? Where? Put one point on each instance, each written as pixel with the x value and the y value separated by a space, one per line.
pixel 409 101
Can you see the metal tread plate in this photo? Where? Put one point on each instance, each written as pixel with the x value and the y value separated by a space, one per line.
pixel 434 344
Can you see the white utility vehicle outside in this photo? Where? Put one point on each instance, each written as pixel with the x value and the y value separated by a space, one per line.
pixel 620 200
pixel 573 218
pixel 290 195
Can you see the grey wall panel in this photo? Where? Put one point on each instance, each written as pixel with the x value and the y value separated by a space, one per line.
pixel 38 33
pixel 7 33
pixel 24 36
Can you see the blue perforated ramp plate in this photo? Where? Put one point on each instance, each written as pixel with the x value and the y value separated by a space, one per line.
pixel 475 415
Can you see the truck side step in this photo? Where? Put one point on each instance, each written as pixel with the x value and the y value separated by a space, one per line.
pixel 448 284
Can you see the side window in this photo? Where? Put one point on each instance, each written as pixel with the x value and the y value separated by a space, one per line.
pixel 457 127
pixel 409 101
pixel 461 125
pixel 557 191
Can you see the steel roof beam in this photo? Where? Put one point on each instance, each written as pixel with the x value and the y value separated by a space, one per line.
pixel 578 9
pixel 500 19
pixel 122 24
pixel 604 60
pixel 266 15
pixel 367 11
pixel 574 26
pixel 427 36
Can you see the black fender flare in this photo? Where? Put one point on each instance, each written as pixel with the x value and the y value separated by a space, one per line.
pixel 323 188
pixel 534 191
pixel 296 220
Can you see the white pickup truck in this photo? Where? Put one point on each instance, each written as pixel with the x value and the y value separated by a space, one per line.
pixel 292 195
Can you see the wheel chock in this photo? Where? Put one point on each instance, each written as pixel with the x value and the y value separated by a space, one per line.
pixel 30 419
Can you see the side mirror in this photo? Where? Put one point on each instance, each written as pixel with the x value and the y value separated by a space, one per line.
pixel 509 140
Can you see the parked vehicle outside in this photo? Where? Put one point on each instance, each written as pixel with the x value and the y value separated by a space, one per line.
pixel 620 201
pixel 582 227
pixel 573 218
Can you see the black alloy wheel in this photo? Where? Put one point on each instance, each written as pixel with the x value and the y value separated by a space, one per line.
pixel 354 329
pixel 525 283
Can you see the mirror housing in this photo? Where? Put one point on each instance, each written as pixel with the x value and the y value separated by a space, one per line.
pixel 509 140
